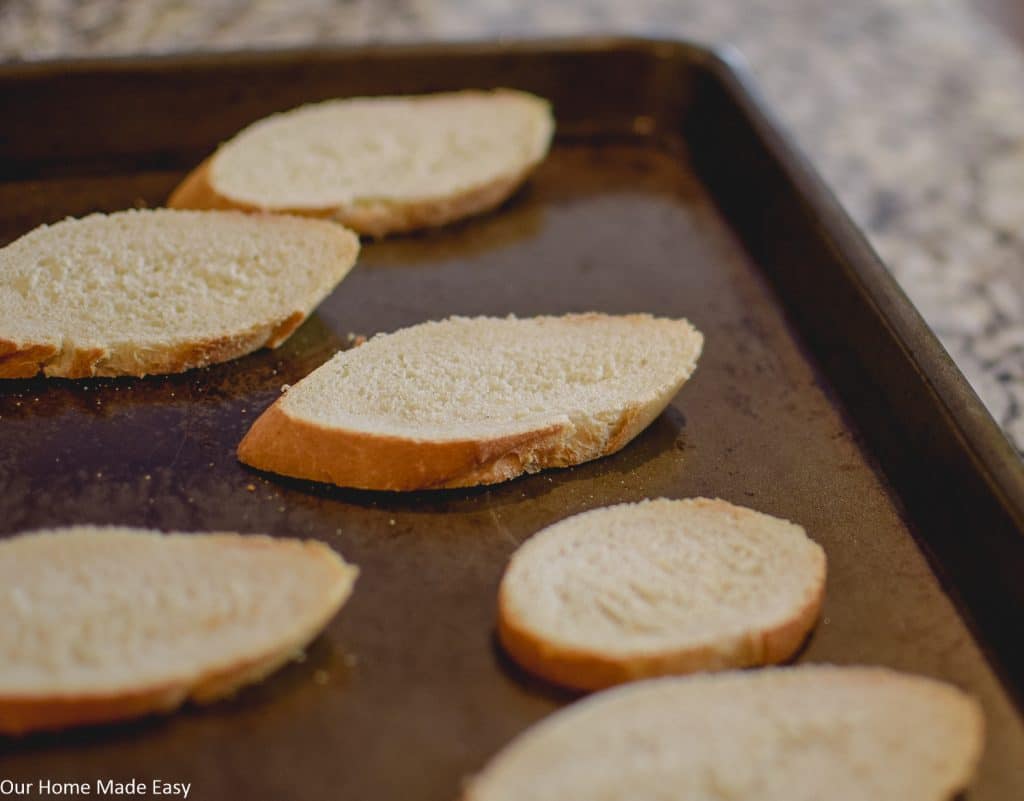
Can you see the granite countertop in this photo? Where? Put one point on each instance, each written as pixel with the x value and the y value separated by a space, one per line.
pixel 913 110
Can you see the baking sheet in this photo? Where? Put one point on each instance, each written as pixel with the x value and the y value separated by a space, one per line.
pixel 406 693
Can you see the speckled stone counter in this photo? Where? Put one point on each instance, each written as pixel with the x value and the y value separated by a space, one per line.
pixel 913 110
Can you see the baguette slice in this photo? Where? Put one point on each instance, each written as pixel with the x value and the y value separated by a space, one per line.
pixel 103 624
pixel 471 401
pixel 161 291
pixel 779 734
pixel 659 587
pixel 379 165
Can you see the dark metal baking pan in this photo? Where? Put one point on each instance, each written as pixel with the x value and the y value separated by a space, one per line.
pixel 821 397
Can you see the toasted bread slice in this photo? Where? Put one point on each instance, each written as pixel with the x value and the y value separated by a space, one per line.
pixel 102 624
pixel 779 734
pixel 659 587
pixel 379 165
pixel 471 401
pixel 161 291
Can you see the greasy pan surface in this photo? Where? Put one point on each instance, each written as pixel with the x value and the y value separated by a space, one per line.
pixel 406 692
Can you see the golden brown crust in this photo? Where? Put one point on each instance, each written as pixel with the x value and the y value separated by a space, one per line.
pixel 27 361
pixel 583 669
pixel 369 217
pixel 284 329
pixel 84 361
pixel 23 361
pixel 24 715
pixel 195 192
pixel 282 444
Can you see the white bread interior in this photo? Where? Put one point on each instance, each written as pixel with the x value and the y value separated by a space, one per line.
pixel 100 624
pixel 472 401
pixel 161 291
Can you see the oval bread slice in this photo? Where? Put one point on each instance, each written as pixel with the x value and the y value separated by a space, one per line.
pixel 780 734
pixel 659 587
pixel 101 624
pixel 379 165
pixel 161 291
pixel 473 401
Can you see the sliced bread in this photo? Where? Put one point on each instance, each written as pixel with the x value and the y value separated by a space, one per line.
pixel 779 734
pixel 473 401
pixel 659 587
pixel 379 164
pixel 161 291
pixel 101 624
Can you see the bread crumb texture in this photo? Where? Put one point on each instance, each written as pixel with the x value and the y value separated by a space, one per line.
pixel 464 378
pixel 778 734
pixel 103 614
pixel 395 149
pixel 161 290
pixel 662 586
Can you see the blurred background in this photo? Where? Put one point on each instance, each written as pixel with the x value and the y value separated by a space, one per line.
pixel 913 110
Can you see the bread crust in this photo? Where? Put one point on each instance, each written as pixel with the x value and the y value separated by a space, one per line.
pixel 583 669
pixel 280 443
pixel 587 669
pixel 23 360
pixel 370 217
pixel 26 360
pixel 20 714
